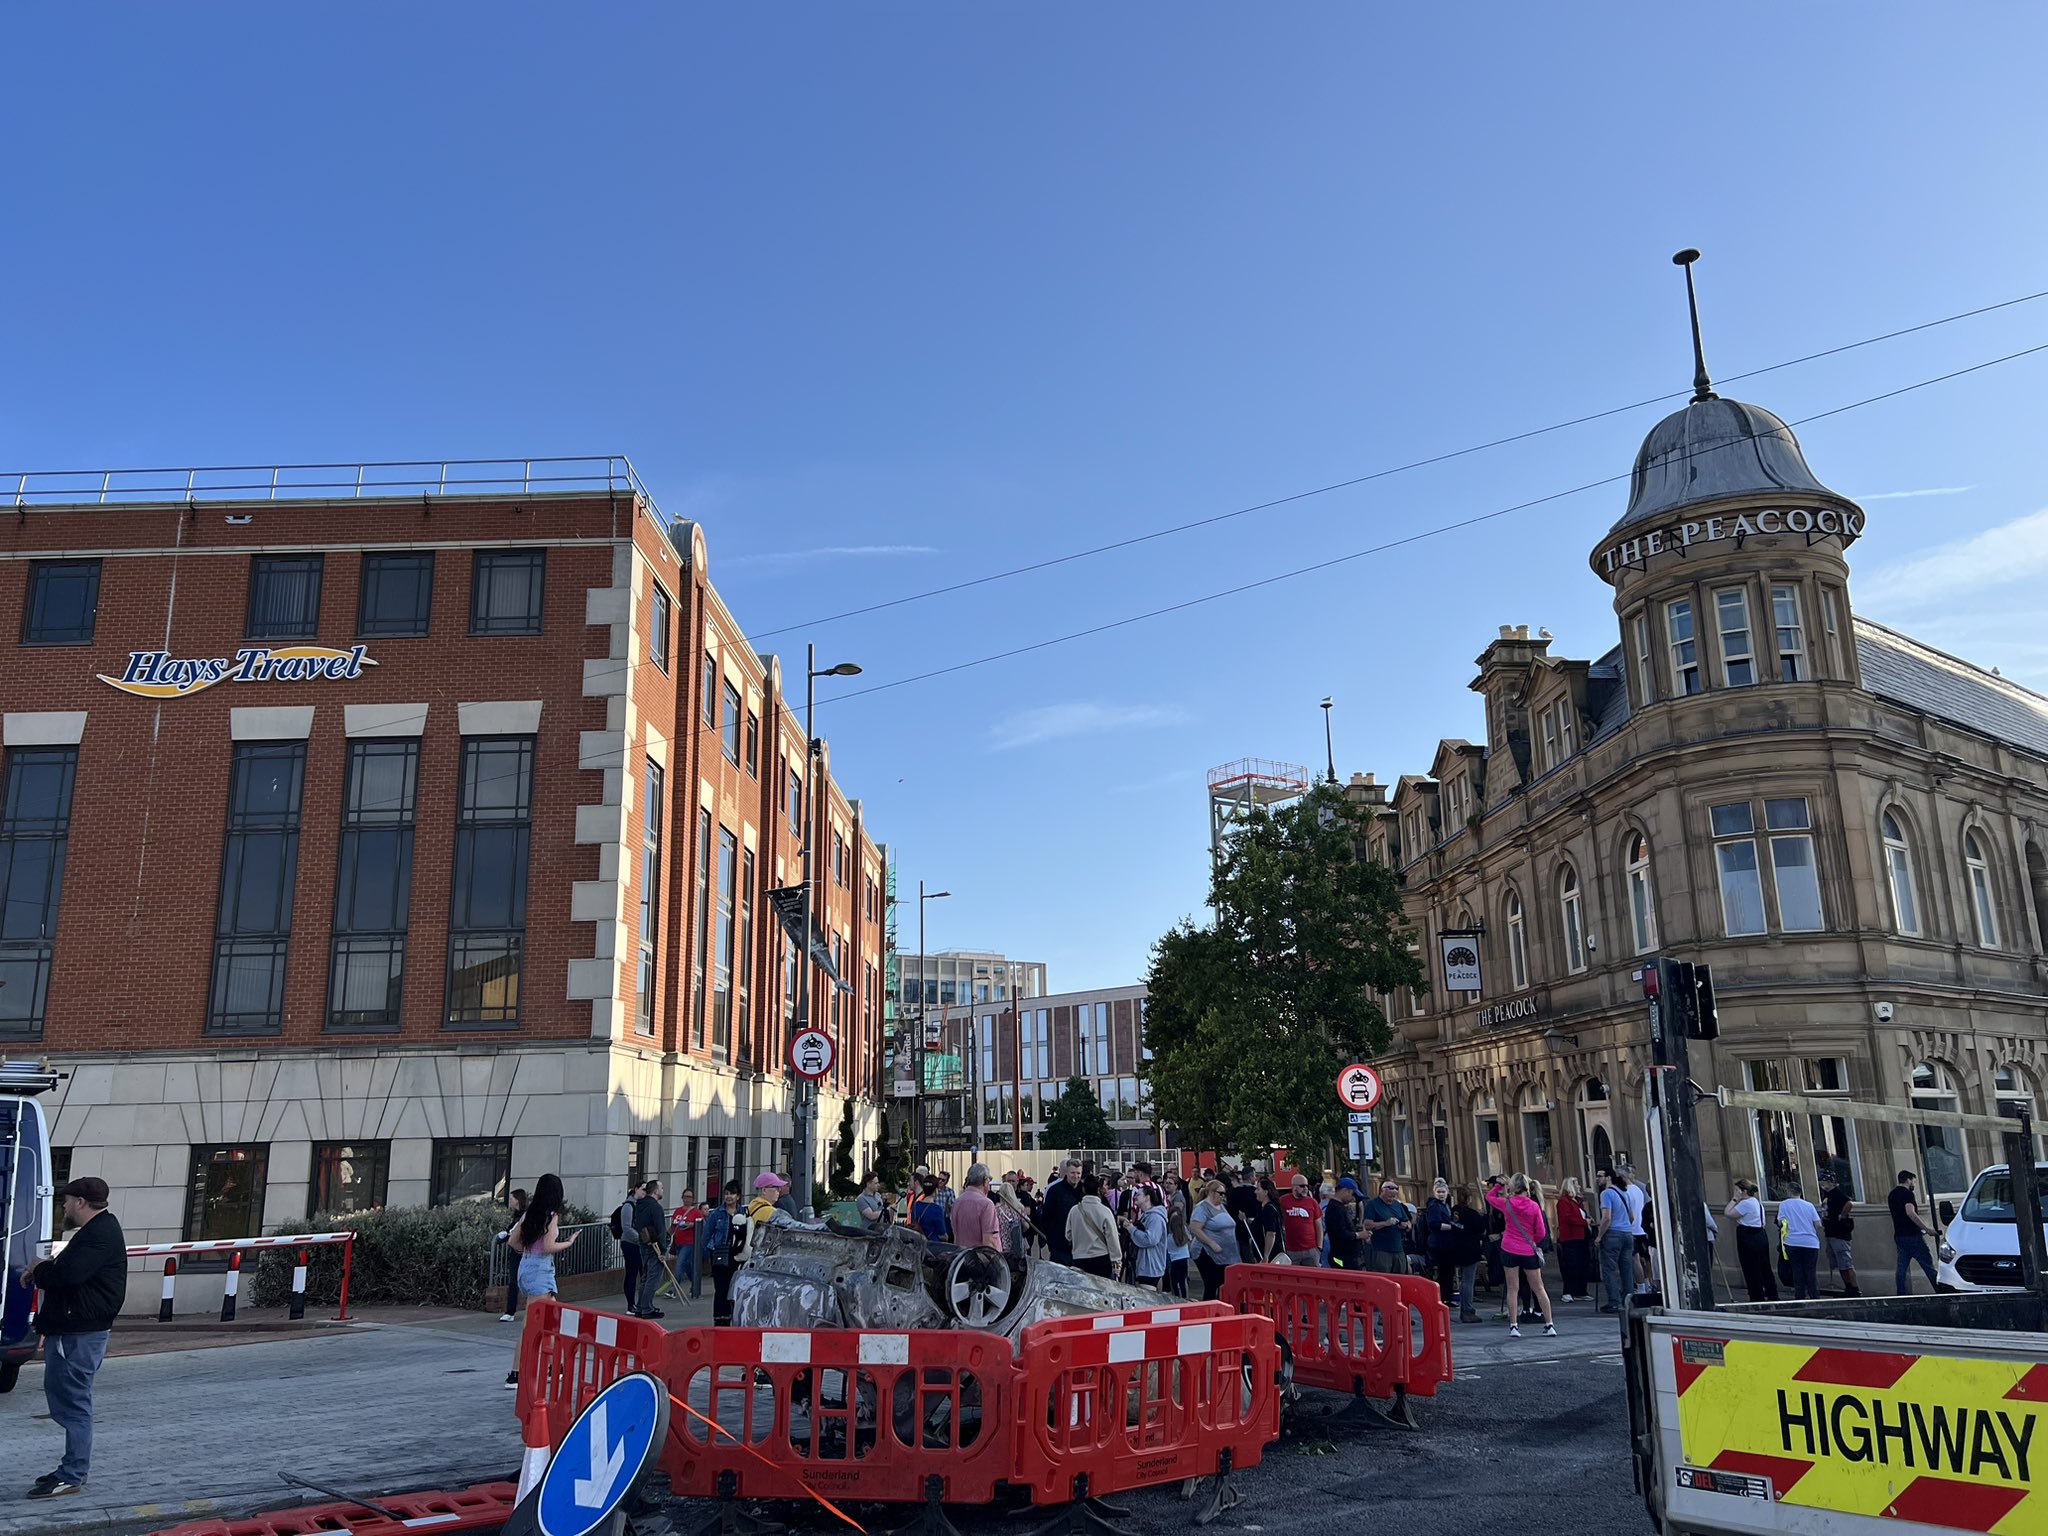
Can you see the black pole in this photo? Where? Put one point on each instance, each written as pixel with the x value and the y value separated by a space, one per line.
pixel 1673 1006
pixel 1329 741
pixel 2026 1201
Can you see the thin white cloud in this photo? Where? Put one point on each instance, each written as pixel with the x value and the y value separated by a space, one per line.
pixel 1932 490
pixel 1156 783
pixel 1949 574
pixel 831 552
pixel 1060 722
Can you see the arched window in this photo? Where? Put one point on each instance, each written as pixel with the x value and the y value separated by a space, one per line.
pixel 1539 1145
pixel 1572 909
pixel 2012 1087
pixel 1401 1156
pixel 1518 944
pixel 1642 897
pixel 1977 865
pixel 1941 1146
pixel 1596 1126
pixel 1898 866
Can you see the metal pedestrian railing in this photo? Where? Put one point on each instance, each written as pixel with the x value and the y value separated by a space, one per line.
pixel 282 482
pixel 592 1251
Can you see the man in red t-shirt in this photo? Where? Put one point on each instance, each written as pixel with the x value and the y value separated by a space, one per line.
pixel 684 1226
pixel 1301 1224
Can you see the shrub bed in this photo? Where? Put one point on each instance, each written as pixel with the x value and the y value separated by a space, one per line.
pixel 413 1257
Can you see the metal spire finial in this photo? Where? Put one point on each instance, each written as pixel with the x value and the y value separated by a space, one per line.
pixel 1702 386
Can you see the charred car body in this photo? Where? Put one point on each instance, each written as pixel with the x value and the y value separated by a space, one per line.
pixel 848 1277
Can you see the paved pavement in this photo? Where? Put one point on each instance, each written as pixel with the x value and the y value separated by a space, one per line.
pixel 405 1401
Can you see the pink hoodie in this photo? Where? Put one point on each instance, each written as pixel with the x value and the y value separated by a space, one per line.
pixel 1525 1224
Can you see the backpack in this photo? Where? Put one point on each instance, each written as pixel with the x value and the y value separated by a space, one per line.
pixel 618 1227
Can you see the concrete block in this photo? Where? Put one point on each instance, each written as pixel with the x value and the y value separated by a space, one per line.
pixel 409 1191
pixel 601 749
pixel 273 722
pixel 411 1159
pixel 91 1083
pixel 590 979
pixel 608 861
pixel 604 676
pixel 594 901
pixel 284 1200
pixel 604 939
pixel 384 719
pixel 138 1083
pixel 608 605
pixel 181 1082
pixel 44 728
pixel 600 824
pixel 499 717
pixel 289 1161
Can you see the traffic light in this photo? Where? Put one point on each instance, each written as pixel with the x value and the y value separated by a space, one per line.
pixel 1686 993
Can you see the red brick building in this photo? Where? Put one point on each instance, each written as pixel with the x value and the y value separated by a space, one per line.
pixel 402 834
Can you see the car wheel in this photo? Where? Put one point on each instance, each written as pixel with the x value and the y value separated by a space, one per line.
pixel 9 1370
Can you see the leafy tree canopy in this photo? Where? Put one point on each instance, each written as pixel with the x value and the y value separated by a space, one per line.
pixel 1251 1020
pixel 1076 1120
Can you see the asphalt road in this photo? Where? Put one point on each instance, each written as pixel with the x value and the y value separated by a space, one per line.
pixel 1532 1433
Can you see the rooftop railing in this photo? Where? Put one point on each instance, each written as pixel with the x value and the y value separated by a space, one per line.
pixel 610 472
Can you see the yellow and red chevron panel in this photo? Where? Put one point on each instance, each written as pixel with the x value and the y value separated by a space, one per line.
pixel 1942 1440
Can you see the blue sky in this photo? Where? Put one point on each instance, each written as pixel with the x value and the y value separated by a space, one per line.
pixel 896 295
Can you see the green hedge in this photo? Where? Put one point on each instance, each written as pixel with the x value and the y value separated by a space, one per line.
pixel 411 1257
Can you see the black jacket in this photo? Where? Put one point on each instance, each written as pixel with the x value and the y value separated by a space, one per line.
pixel 1060 1199
pixel 84 1286
pixel 650 1221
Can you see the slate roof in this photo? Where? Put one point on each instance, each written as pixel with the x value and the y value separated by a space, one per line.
pixel 1908 672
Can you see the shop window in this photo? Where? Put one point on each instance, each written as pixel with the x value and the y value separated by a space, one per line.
pixel 1834 1136
pixel 224 1196
pixel 348 1176
pixel 35 836
pixel 63 602
pixel 2012 1089
pixel 471 1172
pixel 1402 1151
pixel 1773 1139
pixel 396 598
pixel 284 597
pixel 1983 902
pixel 259 873
pixel 1898 866
pixel 1944 1163
pixel 1539 1146
pixel 506 588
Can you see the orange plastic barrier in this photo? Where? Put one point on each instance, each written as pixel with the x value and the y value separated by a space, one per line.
pixel 569 1354
pixel 484 1507
pixel 1430 1345
pixel 1097 1322
pixel 829 1414
pixel 1102 1409
pixel 1348 1330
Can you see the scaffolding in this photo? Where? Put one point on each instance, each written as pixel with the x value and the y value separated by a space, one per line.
pixel 1249 785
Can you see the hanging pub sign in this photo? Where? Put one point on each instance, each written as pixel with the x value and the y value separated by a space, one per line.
pixel 1460 950
pixel 160 675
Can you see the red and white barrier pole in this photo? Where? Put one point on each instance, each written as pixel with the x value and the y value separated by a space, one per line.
pixel 348 1256
pixel 298 1309
pixel 163 1311
pixel 227 1299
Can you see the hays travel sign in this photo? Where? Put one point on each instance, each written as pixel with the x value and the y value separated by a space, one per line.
pixel 1828 522
pixel 160 675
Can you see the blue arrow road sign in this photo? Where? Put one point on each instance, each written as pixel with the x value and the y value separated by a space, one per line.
pixel 612 1443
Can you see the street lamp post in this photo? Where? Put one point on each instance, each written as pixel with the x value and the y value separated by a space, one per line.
pixel 806 1102
pixel 1329 741
pixel 917 1113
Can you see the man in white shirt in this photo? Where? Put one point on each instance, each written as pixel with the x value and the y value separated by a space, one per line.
pixel 1799 1220
pixel 1638 1198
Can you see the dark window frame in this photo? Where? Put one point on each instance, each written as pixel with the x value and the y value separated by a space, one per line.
pixel 327 1155
pixel 420 563
pixel 651 818
pixel 485 564
pixel 33 603
pixel 362 831
pixel 753 743
pixel 450 1151
pixel 727 923
pixel 263 569
pixel 472 820
pixel 661 626
pixel 743 966
pixel 733 703
pixel 252 834
pixel 701 968
pixel 51 834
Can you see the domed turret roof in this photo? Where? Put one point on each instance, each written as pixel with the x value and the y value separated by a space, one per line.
pixel 1711 450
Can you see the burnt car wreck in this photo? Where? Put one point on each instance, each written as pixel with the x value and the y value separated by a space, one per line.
pixel 847 1277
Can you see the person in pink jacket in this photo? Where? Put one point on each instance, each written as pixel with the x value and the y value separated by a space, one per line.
pixel 1521 1249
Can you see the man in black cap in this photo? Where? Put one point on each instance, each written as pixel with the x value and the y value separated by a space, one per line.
pixel 83 1288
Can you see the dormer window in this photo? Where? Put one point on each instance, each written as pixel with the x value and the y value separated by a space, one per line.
pixel 1559 726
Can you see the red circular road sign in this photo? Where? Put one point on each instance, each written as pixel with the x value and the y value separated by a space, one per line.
pixel 1358 1086
pixel 810 1053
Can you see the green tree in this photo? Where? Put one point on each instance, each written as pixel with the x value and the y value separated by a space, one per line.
pixel 1076 1120
pixel 844 1186
pixel 1251 1020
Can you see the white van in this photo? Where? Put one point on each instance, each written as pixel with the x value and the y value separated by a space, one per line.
pixel 1981 1246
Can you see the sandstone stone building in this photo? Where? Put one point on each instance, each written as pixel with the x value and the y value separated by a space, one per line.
pixel 1849 826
